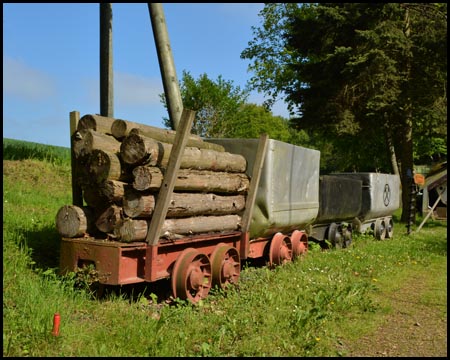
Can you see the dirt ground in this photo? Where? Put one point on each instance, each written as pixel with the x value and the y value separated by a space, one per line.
pixel 412 329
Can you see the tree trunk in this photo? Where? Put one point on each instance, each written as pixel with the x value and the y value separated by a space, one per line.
pixel 130 230
pixel 151 177
pixel 137 149
pixel 87 140
pixel 407 168
pixel 406 154
pixel 391 148
pixel 183 204
pixel 73 221
pixel 101 124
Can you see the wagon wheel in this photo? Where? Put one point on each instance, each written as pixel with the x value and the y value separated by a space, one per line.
pixel 191 276
pixel 225 264
pixel 280 250
pixel 299 241
pixel 380 229
pixel 335 237
pixel 389 227
pixel 347 235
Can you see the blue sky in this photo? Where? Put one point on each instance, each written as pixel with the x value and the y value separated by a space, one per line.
pixel 51 61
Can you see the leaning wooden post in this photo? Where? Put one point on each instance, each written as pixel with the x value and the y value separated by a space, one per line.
pixel 165 192
pixel 77 194
pixel 254 181
pixel 166 64
pixel 429 214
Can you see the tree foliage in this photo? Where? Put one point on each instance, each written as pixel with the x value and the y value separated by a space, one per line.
pixel 222 111
pixel 216 103
pixel 368 79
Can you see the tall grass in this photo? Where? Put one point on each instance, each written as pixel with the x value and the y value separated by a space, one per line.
pixel 309 307
pixel 19 150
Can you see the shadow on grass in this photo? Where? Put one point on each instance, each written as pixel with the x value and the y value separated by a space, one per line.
pixel 44 244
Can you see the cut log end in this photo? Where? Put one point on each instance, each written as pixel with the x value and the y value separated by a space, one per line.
pixel 73 221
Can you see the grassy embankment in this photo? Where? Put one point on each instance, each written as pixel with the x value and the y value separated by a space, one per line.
pixel 306 308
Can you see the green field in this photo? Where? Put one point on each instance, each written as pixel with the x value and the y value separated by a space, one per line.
pixel 311 307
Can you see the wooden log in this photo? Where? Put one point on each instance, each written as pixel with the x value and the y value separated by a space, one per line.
pixel 109 218
pixel 137 149
pixel 129 230
pixel 84 141
pixel 151 177
pixel 73 221
pixel 205 159
pixel 94 198
pixel 101 124
pixel 136 204
pixel 200 225
pixel 104 165
pixel 147 178
pixel 113 190
pixel 192 204
pixel 122 128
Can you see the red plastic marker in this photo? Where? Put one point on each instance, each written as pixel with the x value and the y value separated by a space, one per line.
pixel 56 321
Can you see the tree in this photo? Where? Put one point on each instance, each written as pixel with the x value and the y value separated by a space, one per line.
pixel 352 72
pixel 216 103
pixel 253 120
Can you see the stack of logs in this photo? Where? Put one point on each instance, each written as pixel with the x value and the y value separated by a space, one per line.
pixel 120 166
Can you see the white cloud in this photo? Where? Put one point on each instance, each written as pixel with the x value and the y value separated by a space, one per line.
pixel 135 90
pixel 26 82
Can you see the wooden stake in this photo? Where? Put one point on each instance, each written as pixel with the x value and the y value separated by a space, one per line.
pixel 165 193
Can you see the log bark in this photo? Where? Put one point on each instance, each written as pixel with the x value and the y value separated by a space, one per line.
pixel 121 128
pixel 137 150
pixel 151 177
pixel 200 224
pixel 183 204
pixel 129 230
pixel 85 141
pixel 109 218
pixel 104 165
pixel 101 124
pixel 73 221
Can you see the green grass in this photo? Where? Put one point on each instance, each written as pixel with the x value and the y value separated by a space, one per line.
pixel 19 150
pixel 305 308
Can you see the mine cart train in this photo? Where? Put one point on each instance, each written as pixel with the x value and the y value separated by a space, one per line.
pixel 232 200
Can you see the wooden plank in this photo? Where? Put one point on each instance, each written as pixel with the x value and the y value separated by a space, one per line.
pixel 254 181
pixel 77 194
pixel 165 193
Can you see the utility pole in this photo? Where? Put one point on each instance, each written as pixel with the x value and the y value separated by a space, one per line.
pixel 106 61
pixel 166 64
